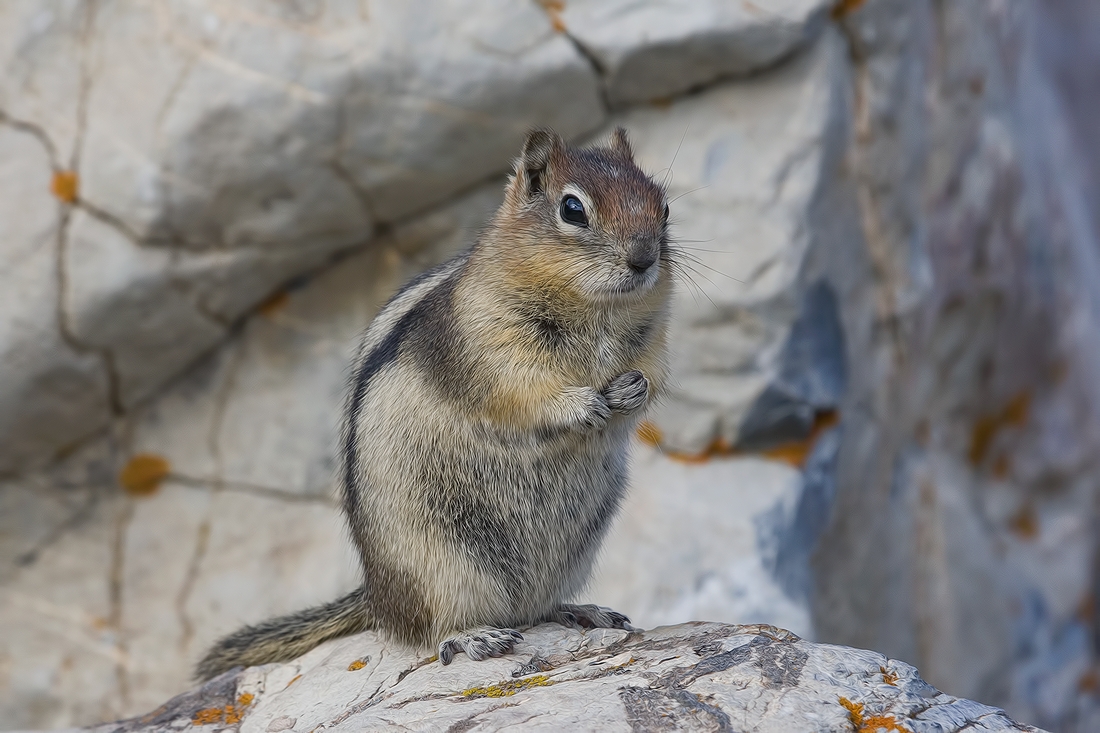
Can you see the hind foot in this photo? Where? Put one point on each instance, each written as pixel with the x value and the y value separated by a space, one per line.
pixel 479 643
pixel 589 616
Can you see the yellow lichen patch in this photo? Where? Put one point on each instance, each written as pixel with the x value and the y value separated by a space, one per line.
pixel 1014 415
pixel 245 699
pixel 274 304
pixel 869 724
pixel 649 434
pixel 1025 523
pixel 357 665
pixel 844 7
pixel 508 688
pixel 142 474
pixel 292 681
pixel 888 677
pixel 64 185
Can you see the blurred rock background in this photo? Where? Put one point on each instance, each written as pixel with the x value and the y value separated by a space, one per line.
pixel 886 425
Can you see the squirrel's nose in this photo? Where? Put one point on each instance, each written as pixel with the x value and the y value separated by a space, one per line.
pixel 641 261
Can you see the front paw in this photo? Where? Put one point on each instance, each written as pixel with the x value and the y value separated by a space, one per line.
pixel 589 410
pixel 627 392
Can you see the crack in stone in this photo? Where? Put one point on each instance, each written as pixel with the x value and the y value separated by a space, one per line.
pixel 75 519
pixel 549 8
pixel 36 132
pixel 244 487
pixel 110 220
pixel 115 586
pixel 194 567
pixel 878 247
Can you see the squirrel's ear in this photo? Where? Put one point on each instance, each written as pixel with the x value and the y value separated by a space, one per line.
pixel 620 144
pixel 533 162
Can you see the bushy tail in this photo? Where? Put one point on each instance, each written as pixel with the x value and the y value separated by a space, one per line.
pixel 287 637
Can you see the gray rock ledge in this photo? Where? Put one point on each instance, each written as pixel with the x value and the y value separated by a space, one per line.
pixel 697 676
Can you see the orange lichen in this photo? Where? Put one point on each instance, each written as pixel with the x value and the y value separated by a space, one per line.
pixel 292 681
pixel 1086 609
pixel 844 7
pixel 869 724
pixel 357 665
pixel 65 185
pixel 142 474
pixel 1089 682
pixel 718 447
pixel 207 715
pixel 227 714
pixel 1014 415
pixel 649 434
pixel 1002 466
pixel 888 677
pixel 1025 522
pixel 553 9
pixel 1017 410
pixel 794 453
pixel 275 303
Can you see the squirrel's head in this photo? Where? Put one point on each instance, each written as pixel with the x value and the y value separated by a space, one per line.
pixel 587 216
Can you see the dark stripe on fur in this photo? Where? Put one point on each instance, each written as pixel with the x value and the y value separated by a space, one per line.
pixel 284 638
pixel 382 354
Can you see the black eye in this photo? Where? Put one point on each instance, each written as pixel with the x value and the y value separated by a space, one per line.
pixel 572 211
pixel 666 212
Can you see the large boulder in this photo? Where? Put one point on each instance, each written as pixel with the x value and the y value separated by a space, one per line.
pixel 694 677
pixel 205 155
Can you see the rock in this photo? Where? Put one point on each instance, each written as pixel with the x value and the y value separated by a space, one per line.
pixel 701 676
pixel 212 156
pixel 963 535
pixel 684 548
pixel 52 388
pixel 748 162
pixel 135 611
pixel 649 51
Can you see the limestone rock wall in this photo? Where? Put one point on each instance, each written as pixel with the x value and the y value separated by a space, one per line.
pixel 884 424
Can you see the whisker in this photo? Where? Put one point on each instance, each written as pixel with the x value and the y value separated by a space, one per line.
pixel 697 261
pixel 685 193
pixel 668 178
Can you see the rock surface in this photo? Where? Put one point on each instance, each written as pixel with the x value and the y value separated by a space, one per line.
pixel 650 51
pixel 701 676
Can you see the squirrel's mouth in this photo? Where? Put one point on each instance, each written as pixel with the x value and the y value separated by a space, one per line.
pixel 638 282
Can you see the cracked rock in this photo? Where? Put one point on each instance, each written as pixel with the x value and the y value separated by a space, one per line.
pixel 700 676
pixel 650 51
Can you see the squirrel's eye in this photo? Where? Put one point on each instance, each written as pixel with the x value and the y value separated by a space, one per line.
pixel 666 212
pixel 572 211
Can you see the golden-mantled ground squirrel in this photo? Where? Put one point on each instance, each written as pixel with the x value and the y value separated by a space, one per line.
pixel 490 408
